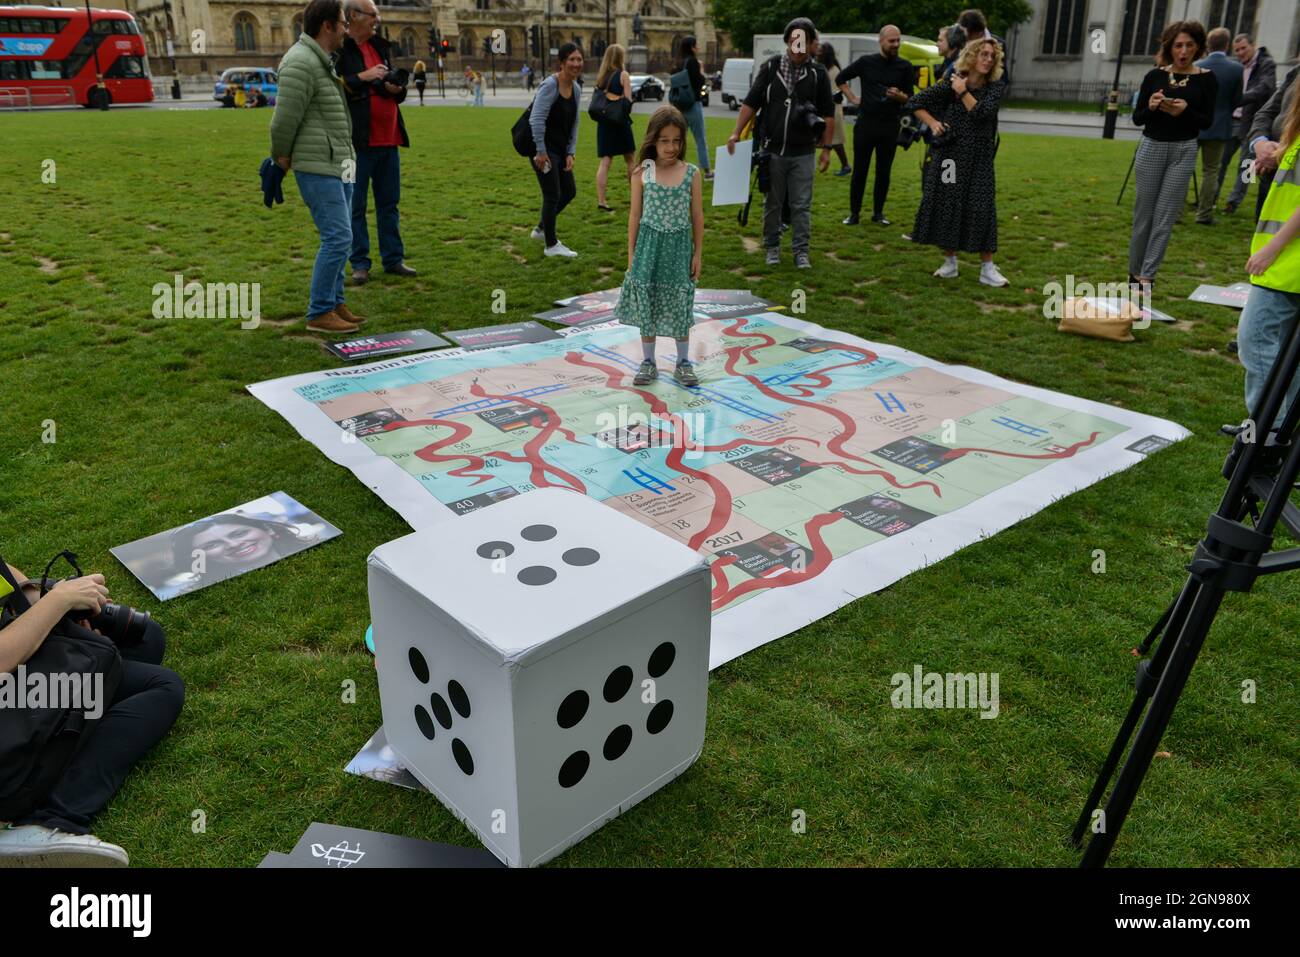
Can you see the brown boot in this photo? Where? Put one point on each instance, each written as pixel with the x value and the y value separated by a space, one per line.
pixel 330 322
pixel 347 315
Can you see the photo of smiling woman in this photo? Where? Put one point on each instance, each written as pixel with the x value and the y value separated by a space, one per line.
pixel 223 546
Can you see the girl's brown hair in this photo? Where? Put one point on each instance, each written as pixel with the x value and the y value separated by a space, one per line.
pixel 1290 127
pixel 1193 28
pixel 663 117
pixel 970 53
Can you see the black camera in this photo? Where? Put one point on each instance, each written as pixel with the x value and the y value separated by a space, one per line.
pixel 123 625
pixel 806 115
pixel 398 77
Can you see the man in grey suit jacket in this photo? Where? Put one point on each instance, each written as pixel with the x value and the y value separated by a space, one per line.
pixel 1258 83
pixel 1266 134
pixel 1214 139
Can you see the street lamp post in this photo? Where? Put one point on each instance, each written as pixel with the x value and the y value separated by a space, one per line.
pixel 171 53
pixel 1112 103
pixel 94 49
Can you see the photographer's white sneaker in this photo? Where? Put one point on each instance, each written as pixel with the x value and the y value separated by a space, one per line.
pixel 32 845
pixel 948 270
pixel 559 249
pixel 990 276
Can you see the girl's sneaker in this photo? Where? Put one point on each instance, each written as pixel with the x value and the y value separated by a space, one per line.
pixel 948 270
pixel 538 234
pixel 646 374
pixel 685 374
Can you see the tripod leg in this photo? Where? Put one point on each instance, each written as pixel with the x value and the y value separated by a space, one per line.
pixel 1124 185
pixel 1148 674
pixel 1187 647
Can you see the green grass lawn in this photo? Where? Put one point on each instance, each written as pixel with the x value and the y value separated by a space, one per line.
pixel 154 428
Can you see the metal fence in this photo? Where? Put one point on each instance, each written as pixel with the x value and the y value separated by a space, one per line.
pixel 21 98
pixel 1077 91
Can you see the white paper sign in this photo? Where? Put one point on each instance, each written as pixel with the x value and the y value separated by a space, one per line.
pixel 731 174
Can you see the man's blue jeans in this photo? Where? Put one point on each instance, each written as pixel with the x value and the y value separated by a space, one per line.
pixel 1266 322
pixel 382 167
pixel 330 202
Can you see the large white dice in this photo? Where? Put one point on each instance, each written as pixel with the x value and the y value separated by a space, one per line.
pixel 543 665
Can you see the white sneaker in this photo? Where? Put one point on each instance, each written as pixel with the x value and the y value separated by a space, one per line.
pixel 538 234
pixel 559 249
pixel 32 845
pixel 990 276
pixel 948 270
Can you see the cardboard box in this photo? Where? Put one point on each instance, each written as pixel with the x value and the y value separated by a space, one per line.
pixel 543 665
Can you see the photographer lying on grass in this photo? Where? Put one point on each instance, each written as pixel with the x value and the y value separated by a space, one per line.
pixel 60 764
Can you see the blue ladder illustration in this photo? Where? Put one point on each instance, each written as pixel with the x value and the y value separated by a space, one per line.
pixel 891 402
pixel 482 404
pixel 1017 426
pixel 648 481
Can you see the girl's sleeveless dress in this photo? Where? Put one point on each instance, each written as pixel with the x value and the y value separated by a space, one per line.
pixel 658 294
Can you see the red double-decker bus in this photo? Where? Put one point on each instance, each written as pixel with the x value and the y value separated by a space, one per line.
pixel 48 56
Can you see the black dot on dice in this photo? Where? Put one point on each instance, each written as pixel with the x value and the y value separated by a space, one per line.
pixel 537 575
pixel 573 768
pixel 464 760
pixel 617 742
pixel 459 699
pixel 495 550
pixel 661 659
pixel 659 716
pixel 424 721
pixel 616 685
pixel 581 557
pixel 572 709
pixel 538 533
pixel 440 710
pixel 419 667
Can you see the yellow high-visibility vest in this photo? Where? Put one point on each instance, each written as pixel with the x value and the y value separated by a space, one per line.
pixel 1283 200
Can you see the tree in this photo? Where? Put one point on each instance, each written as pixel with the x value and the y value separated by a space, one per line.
pixel 744 18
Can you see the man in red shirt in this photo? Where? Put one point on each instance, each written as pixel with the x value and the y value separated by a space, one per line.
pixel 365 64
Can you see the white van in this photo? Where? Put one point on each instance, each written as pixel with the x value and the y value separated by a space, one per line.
pixel 848 47
pixel 737 74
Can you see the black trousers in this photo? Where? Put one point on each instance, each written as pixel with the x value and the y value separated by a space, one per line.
pixel 871 136
pixel 142 711
pixel 558 190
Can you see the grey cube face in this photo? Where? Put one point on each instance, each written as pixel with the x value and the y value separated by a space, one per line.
pixel 612 717
pixel 543 665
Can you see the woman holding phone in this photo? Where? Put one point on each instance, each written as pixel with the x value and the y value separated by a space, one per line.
pixel 1175 103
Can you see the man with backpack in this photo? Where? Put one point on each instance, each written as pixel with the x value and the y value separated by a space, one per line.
pixel 796 115
pixel 61 762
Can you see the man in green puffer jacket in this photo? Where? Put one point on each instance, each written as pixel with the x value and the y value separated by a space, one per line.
pixel 311 133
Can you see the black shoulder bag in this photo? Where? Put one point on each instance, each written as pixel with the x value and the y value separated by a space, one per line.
pixel 37 743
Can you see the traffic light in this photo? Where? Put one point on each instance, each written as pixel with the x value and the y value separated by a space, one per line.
pixel 535 40
pixel 433 39
pixel 487 46
pixel 446 47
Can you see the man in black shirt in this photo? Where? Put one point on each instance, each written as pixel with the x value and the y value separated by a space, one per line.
pixel 887 81
pixel 789 94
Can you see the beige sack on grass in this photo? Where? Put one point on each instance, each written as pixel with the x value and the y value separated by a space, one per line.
pixel 1086 318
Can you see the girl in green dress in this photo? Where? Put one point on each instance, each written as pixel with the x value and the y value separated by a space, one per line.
pixel 665 235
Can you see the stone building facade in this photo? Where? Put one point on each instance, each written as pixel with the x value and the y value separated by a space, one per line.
pixel 257 32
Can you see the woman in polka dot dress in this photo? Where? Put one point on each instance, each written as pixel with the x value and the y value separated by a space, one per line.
pixel 958 199
pixel 665 234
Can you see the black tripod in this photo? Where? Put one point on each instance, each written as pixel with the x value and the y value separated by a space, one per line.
pixel 1261 471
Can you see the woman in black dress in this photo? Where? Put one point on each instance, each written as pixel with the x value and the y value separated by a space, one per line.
pixel 1175 103
pixel 958 202
pixel 613 139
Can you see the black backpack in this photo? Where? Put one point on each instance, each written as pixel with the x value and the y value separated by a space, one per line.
pixel 36 744
pixel 521 134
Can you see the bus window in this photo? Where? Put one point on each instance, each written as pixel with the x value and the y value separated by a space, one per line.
pixel 12 70
pixel 46 70
pixel 126 68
